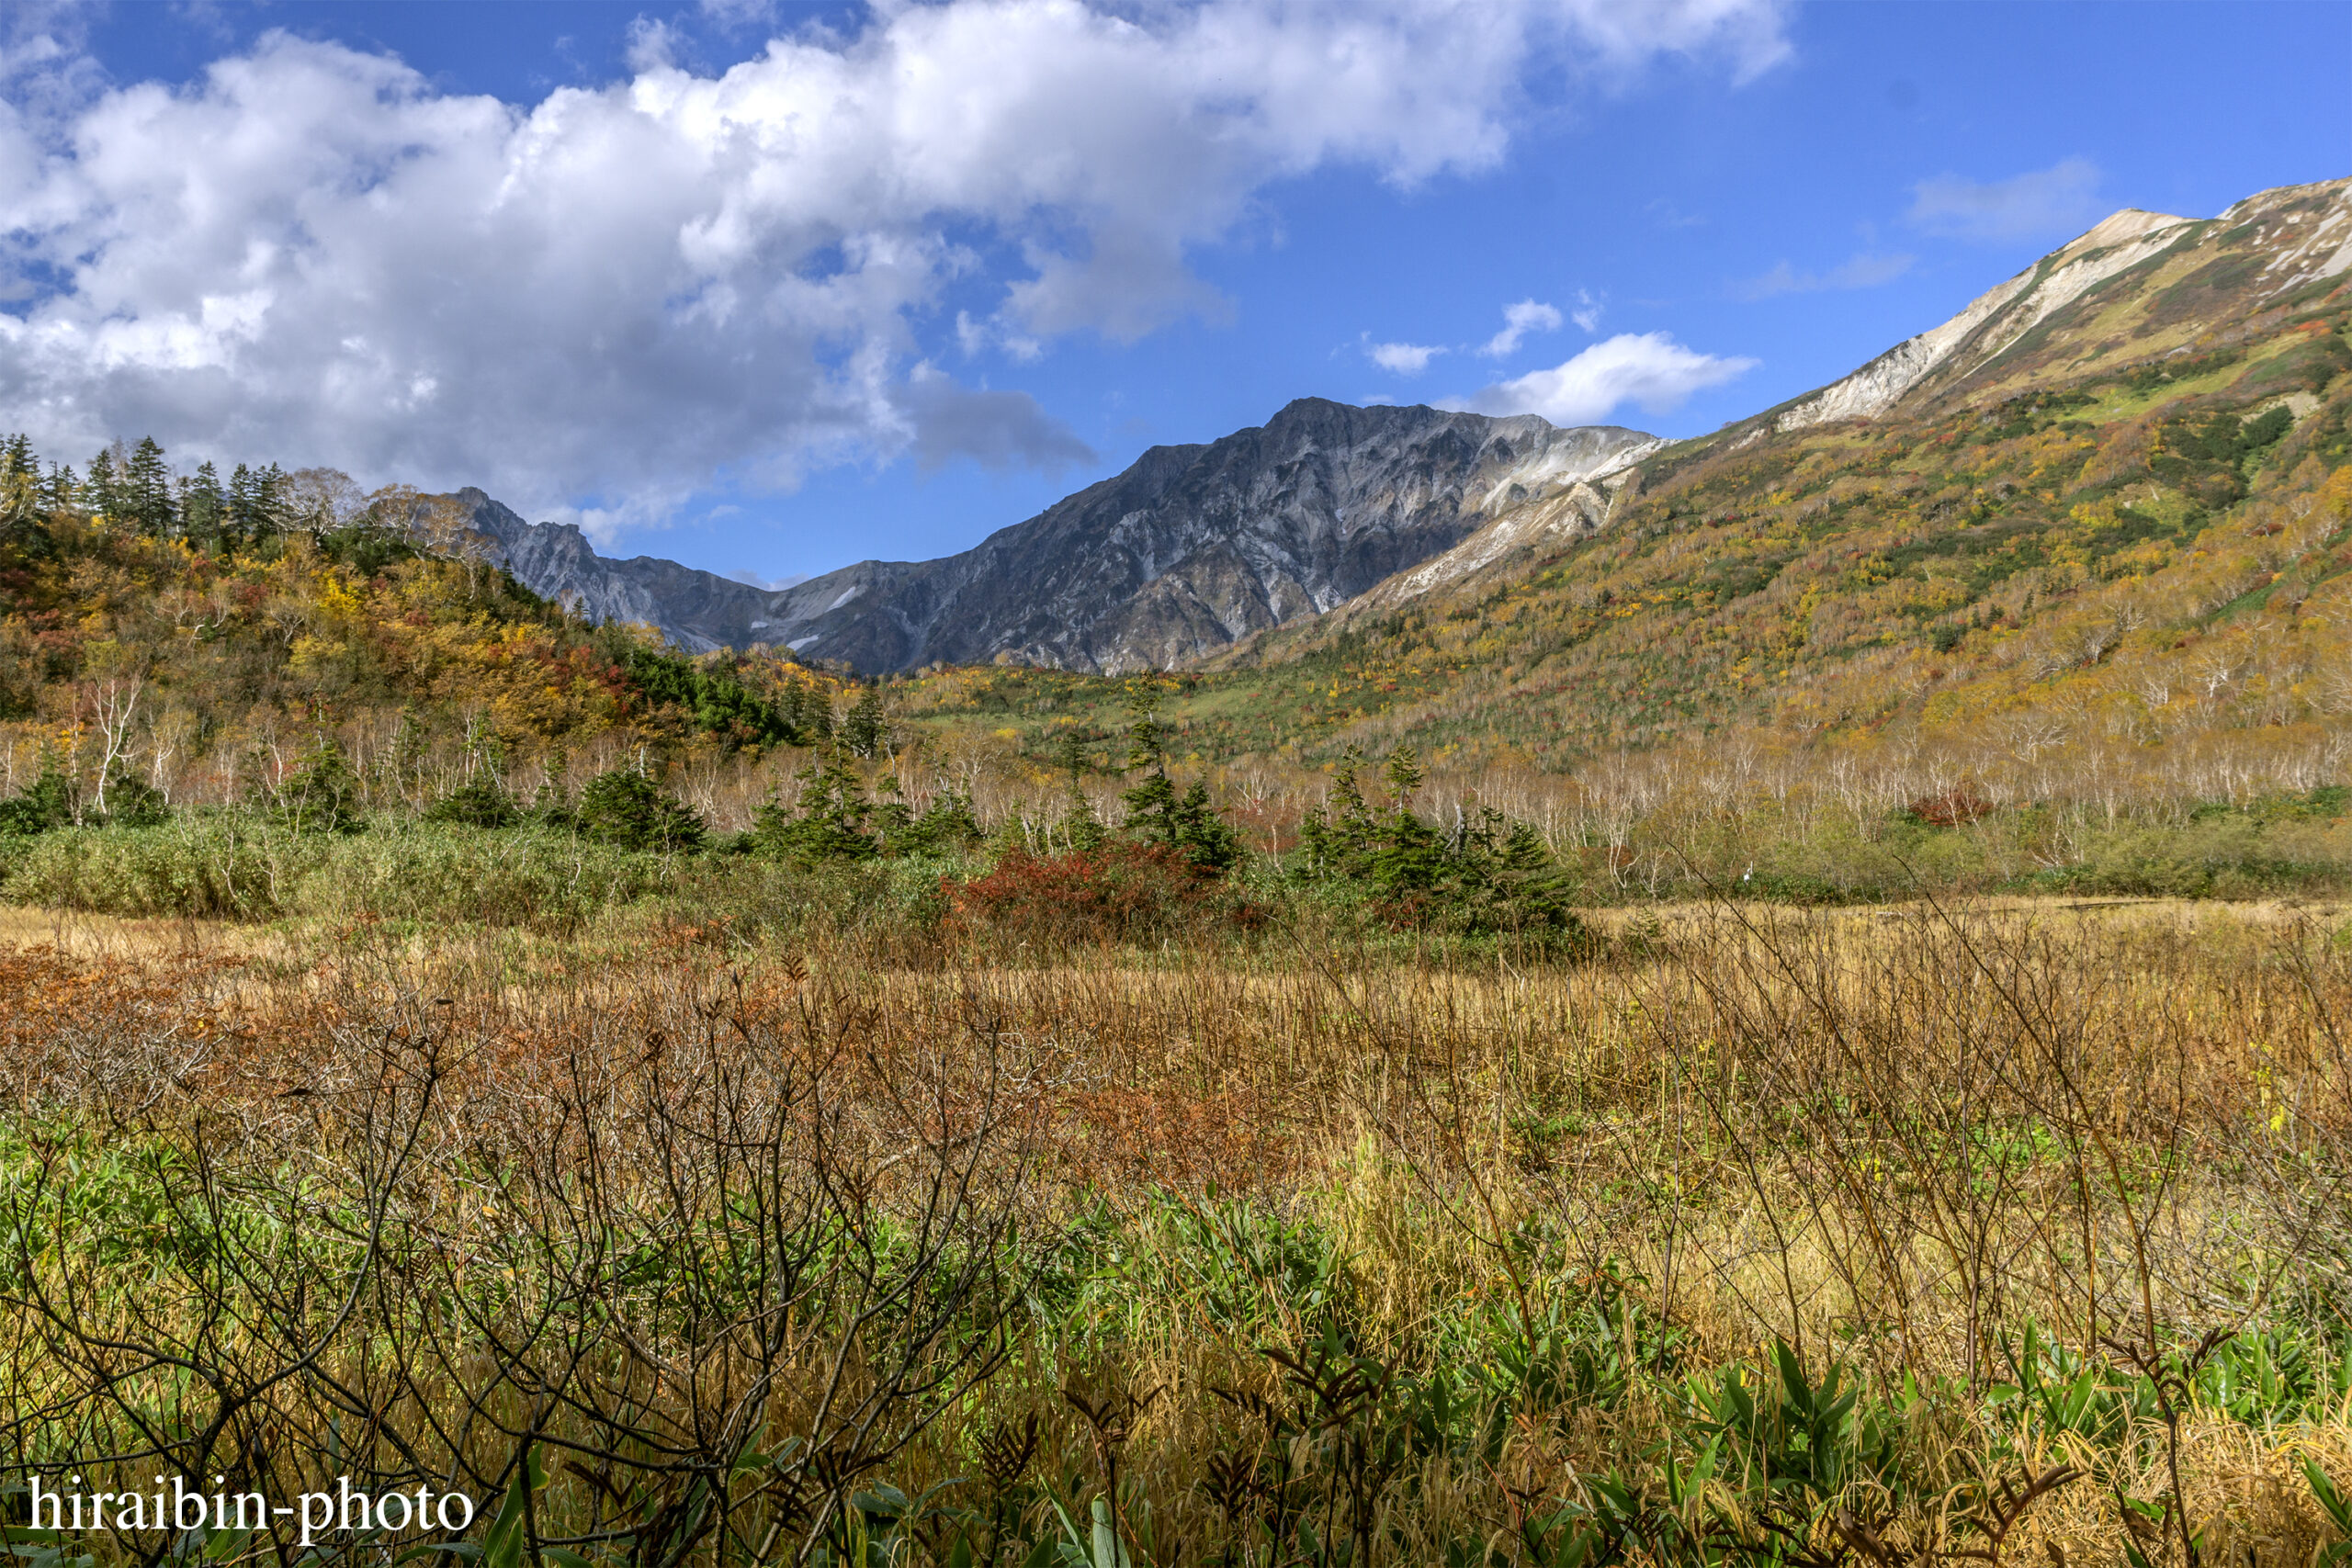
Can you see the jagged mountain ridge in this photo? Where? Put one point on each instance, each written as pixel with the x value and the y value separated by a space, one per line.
pixel 1190 548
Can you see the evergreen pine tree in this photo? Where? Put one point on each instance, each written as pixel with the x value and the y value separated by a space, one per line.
pixel 46 802
pixel 1151 805
pixel 862 731
pixel 103 493
pixel 1206 838
pixel 203 506
pixel 1157 814
pixel 255 505
pixel 147 489
pixel 321 794
pixel 625 809
pixel 239 525
pixel 1079 825
pixel 832 823
pixel 64 490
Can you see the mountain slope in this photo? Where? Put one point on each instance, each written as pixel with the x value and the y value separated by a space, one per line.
pixel 2140 286
pixel 1190 548
pixel 2108 509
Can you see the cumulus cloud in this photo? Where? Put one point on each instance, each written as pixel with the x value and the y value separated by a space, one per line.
pixel 1527 316
pixel 2052 203
pixel 1401 358
pixel 1649 370
pixel 618 293
pixel 1865 270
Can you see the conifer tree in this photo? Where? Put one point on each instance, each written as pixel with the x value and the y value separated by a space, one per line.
pixel 1150 804
pixel 146 485
pixel 1157 814
pixel 862 731
pixel 254 503
pixel 203 506
pixel 103 493
pixel 1083 828
pixel 239 524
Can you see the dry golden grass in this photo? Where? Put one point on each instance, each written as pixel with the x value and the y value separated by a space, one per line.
pixel 1888 1138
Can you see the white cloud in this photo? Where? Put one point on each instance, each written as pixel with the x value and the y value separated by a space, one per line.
pixel 313 254
pixel 1649 370
pixel 1527 316
pixel 1401 358
pixel 976 337
pixel 1587 315
pixel 1865 270
pixel 2056 202
pixel 739 13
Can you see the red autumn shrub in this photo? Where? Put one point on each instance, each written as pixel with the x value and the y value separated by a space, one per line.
pixel 1956 805
pixel 1118 893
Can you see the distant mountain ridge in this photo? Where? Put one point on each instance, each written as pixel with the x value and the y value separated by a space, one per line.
pixel 1189 549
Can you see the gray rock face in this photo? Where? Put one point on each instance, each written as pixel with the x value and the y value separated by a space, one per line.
pixel 1188 550
pixel 697 610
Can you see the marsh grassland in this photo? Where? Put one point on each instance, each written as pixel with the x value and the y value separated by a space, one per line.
pixel 2004 1234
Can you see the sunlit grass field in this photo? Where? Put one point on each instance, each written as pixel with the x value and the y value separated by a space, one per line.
pixel 2007 1232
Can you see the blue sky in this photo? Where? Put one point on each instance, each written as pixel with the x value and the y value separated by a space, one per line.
pixel 770 289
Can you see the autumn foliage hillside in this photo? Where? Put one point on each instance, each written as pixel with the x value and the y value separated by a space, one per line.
pixel 203 661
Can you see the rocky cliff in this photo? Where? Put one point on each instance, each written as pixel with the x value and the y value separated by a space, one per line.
pixel 1186 551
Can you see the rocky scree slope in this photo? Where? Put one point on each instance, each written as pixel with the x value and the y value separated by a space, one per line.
pixel 1190 548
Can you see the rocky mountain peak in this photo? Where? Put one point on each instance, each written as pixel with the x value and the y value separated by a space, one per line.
pixel 1188 550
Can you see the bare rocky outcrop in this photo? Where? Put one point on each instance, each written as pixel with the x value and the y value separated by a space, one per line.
pixel 1190 549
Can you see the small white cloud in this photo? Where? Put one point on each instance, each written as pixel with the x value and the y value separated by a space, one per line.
pixel 1866 270
pixel 1402 358
pixel 972 336
pixel 2060 200
pixel 652 45
pixel 1587 315
pixel 1647 369
pixel 1527 316
pixel 740 14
